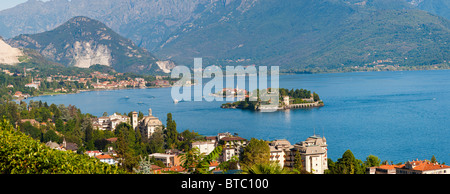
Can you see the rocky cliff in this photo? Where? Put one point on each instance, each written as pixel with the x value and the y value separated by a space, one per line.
pixel 8 54
pixel 83 42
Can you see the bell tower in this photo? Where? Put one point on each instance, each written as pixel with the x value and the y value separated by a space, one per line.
pixel 134 120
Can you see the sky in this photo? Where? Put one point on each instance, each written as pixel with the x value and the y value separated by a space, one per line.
pixel 5 4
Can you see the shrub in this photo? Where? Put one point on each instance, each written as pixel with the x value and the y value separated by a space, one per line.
pixel 20 154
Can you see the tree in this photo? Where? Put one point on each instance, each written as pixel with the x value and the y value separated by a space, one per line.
pixel 187 137
pixel 433 159
pixel 372 161
pixel 171 132
pixel 298 164
pixel 348 164
pixel 265 168
pixel 30 130
pixel 59 125
pixel 316 97
pixel 140 116
pixel 34 157
pixel 144 166
pixel 89 137
pixel 197 163
pixel 156 142
pixel 128 145
pixel 51 136
pixel 256 152
pixel 125 152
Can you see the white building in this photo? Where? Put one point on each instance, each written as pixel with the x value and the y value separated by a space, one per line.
pixel 313 153
pixel 277 151
pixel 110 122
pixel 232 147
pixel 205 147
pixel 107 159
pixel 422 167
pixel 93 153
pixel 169 160
pixel 149 124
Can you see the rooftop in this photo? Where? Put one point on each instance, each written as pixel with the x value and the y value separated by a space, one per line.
pixel 104 156
pixel 233 139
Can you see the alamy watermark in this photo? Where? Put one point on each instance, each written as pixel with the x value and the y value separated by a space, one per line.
pixel 259 90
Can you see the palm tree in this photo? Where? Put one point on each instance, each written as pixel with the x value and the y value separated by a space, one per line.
pixel 265 168
pixel 198 163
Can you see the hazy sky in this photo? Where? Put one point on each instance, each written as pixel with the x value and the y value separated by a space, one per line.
pixel 5 4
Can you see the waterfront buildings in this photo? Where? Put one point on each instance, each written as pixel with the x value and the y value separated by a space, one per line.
pixel 411 167
pixel 233 147
pixel 278 149
pixel 313 152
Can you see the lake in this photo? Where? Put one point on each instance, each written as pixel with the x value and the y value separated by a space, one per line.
pixel 397 116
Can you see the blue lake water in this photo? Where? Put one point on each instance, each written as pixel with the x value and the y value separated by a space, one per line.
pixel 397 116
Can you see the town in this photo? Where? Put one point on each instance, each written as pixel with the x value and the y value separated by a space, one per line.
pixel 308 157
pixel 28 82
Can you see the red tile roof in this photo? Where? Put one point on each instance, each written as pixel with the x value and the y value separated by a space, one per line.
pixel 426 165
pixel 104 156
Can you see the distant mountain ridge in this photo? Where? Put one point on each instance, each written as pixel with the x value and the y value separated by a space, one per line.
pixel 84 42
pixel 144 22
pixel 294 34
pixel 305 34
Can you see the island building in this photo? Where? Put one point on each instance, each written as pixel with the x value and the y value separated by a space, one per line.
pixel 286 100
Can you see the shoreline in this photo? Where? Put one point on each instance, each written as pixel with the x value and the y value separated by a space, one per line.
pixel 93 90
pixel 359 70
pixel 281 73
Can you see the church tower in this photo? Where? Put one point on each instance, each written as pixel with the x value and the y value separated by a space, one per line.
pixel 134 120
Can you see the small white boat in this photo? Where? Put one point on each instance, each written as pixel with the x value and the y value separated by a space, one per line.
pixel 175 101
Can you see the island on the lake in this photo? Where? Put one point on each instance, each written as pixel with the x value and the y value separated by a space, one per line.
pixel 288 99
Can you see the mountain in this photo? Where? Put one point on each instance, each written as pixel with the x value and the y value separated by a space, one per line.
pixel 144 22
pixel 438 7
pixel 83 42
pixel 301 34
pixel 295 34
